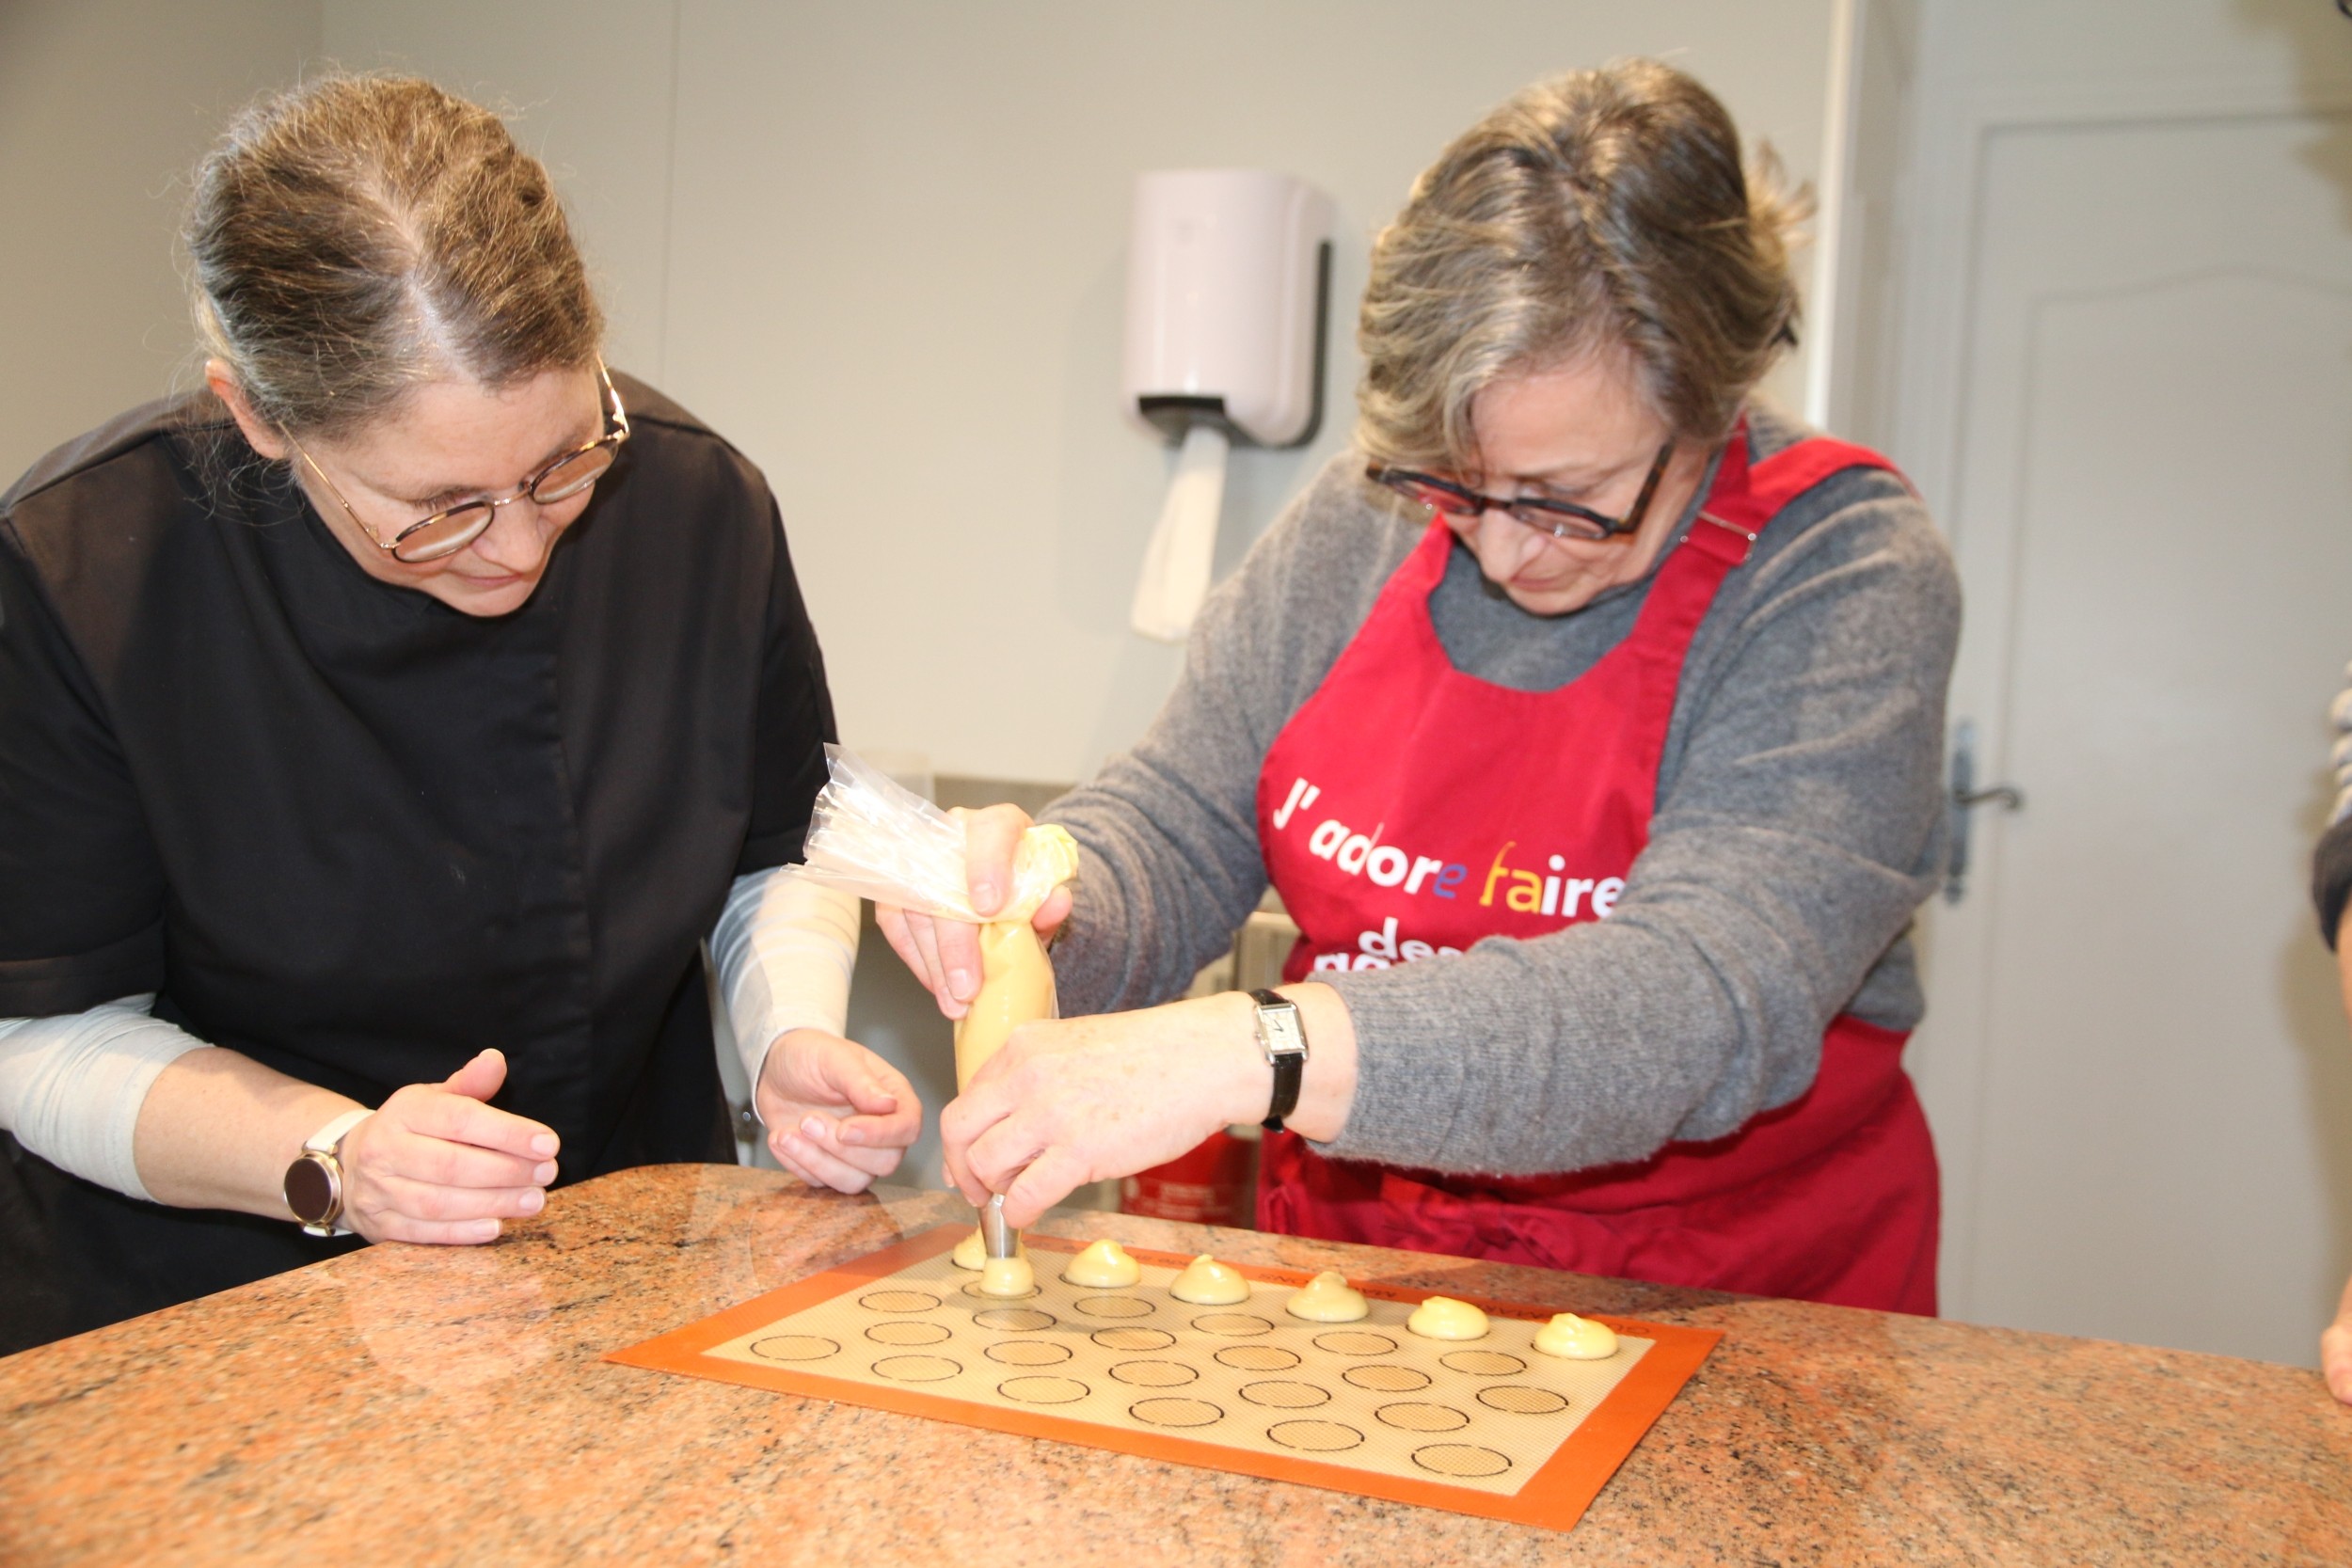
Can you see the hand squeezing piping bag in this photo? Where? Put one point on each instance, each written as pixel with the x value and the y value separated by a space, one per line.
pixel 870 836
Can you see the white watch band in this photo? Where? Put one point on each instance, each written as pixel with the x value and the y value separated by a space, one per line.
pixel 326 1146
pixel 325 1138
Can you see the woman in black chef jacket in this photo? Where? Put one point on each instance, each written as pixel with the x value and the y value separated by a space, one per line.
pixel 395 718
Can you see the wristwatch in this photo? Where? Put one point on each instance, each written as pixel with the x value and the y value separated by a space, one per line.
pixel 314 1182
pixel 1284 1041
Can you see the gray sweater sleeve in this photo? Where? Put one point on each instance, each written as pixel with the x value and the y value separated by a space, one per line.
pixel 1796 830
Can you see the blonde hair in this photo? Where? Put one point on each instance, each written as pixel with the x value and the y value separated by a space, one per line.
pixel 360 236
pixel 1596 212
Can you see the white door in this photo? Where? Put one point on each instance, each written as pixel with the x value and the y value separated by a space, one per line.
pixel 2136 1059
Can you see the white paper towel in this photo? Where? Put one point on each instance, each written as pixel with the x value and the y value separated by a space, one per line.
pixel 1176 564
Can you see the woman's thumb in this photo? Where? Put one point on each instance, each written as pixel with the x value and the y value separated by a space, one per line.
pixel 480 1078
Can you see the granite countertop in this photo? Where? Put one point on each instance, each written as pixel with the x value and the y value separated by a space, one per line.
pixel 426 1405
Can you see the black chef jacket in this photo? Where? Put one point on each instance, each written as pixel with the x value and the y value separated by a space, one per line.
pixel 358 835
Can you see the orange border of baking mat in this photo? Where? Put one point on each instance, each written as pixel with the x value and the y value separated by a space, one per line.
pixel 1555 1498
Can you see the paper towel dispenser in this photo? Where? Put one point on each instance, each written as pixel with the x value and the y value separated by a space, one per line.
pixel 1228 278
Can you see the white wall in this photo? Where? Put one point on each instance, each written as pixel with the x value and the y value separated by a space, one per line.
pixel 881 248
pixel 105 105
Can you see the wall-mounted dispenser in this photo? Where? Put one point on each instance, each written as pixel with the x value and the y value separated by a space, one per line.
pixel 1228 275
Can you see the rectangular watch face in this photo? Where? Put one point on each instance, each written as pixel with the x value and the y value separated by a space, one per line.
pixel 1278 1031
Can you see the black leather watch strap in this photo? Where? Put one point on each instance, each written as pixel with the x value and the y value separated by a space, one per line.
pixel 1283 1040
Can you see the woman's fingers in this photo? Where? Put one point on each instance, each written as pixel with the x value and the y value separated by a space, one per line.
pixel 991 839
pixel 428 1200
pixel 2335 1349
pixel 1048 1178
pixel 813 1163
pixel 1056 909
pixel 825 1136
pixel 433 1112
pixel 915 938
pixel 399 1227
pixel 435 1165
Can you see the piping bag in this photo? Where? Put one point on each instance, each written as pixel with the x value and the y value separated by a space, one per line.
pixel 870 836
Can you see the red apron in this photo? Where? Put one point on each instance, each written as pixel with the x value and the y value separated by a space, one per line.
pixel 1408 810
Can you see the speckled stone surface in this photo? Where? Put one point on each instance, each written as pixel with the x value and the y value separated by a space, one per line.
pixel 430 1406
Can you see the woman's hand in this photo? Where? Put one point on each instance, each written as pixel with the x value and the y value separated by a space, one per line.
pixel 436 1163
pixel 837 1116
pixel 2335 1349
pixel 1067 1102
pixel 945 954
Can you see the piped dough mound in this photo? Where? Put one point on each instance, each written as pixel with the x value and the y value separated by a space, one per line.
pixel 1206 1282
pixel 1104 1266
pixel 1575 1338
pixel 1328 1298
pixel 971 1252
pixel 1443 1318
pixel 1007 1276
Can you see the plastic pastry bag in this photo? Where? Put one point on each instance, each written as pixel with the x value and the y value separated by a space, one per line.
pixel 871 836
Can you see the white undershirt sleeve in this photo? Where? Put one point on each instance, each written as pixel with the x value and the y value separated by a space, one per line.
pixel 784 947
pixel 71 1086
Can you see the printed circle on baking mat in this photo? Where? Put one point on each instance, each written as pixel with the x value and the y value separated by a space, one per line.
pixel 1385 1377
pixel 907 1331
pixel 973 1289
pixel 1314 1436
pixel 1028 1353
pixel 1044 1390
pixel 1155 1374
pixel 1521 1401
pixel 1283 1394
pixel 1258 1358
pixel 1482 1363
pixel 794 1347
pixel 1461 1459
pixel 1232 1325
pixel 1114 1306
pixel 1132 1338
pixel 916 1369
pixel 1014 1320
pixel 1412 1416
pixel 1355 1341
pixel 1175 1412
pixel 899 1301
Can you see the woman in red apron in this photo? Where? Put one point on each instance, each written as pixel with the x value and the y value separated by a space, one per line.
pixel 1560 336
pixel 1832 1197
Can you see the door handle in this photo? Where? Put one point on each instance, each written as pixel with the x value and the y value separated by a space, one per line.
pixel 1962 797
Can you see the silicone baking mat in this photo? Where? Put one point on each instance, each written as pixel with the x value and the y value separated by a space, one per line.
pixel 1491 1426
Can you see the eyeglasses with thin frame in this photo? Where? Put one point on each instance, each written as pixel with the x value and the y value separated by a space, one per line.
pixel 1557 519
pixel 453 527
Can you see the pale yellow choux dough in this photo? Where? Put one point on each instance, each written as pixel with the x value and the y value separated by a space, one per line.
pixel 1206 1282
pixel 1328 1298
pixel 1016 987
pixel 971 1252
pixel 1443 1318
pixel 1576 1338
pixel 1104 1266
pixel 1016 978
pixel 1007 1276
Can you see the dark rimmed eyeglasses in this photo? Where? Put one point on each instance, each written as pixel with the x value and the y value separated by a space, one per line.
pixel 453 527
pixel 1557 519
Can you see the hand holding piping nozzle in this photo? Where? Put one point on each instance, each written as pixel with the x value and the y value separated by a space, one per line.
pixel 870 836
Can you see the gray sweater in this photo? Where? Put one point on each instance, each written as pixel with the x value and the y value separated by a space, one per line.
pixel 1798 826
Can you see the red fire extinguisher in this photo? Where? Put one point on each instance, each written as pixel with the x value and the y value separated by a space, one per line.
pixel 1215 1183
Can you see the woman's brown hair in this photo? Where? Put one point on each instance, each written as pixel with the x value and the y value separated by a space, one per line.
pixel 359 235
pixel 1604 210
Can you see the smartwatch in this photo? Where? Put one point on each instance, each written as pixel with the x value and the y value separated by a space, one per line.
pixel 1284 1041
pixel 314 1182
